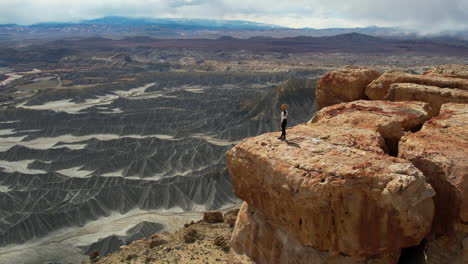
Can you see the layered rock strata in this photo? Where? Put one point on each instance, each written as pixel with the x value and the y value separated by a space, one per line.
pixel 450 70
pixel 443 84
pixel 378 88
pixel 368 205
pixel 435 96
pixel 344 85
pixel 253 229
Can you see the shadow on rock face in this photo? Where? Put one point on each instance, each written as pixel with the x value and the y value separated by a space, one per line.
pixel 413 255
pixel 292 144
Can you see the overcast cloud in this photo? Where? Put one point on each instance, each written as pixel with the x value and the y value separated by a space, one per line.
pixel 423 15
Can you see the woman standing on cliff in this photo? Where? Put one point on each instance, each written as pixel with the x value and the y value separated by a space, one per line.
pixel 284 121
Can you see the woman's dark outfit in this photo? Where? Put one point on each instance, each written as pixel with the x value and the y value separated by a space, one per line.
pixel 284 123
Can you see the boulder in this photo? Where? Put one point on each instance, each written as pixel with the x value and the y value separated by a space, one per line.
pixel 264 242
pixel 343 85
pixel 156 241
pixel 378 89
pixel 190 236
pixel 367 203
pixel 450 70
pixel 213 217
pixel 433 95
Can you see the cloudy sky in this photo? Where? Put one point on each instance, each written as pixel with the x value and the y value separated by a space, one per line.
pixel 423 15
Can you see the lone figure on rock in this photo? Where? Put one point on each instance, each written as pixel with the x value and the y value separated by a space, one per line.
pixel 284 121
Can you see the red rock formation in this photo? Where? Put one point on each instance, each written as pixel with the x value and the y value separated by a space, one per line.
pixel 343 85
pixel 440 151
pixel 325 204
pixel 332 194
pixel 451 70
pixel 390 119
pixel 435 96
pixel 378 89
pixel 266 242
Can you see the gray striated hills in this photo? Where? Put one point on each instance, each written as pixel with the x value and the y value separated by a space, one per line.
pixel 70 157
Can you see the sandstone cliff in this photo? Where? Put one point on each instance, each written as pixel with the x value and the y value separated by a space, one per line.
pixel 343 85
pixel 363 180
pixel 454 71
pixel 379 88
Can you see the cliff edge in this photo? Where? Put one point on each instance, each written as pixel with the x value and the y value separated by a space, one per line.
pixel 377 175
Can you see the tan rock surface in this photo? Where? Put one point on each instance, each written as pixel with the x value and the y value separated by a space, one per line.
pixel 365 204
pixel 235 258
pixel 343 85
pixel 213 217
pixel 450 70
pixel 390 119
pixel 433 95
pixel 267 243
pixel 359 138
pixel 440 151
pixel 446 250
pixel 170 248
pixel 378 89
pixel 451 121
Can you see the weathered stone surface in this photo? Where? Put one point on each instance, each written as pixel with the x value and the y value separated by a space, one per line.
pixel 235 258
pixel 451 121
pixel 343 85
pixel 359 138
pixel 378 89
pixel 213 217
pixel 440 151
pixel 446 250
pixel 390 119
pixel 433 95
pixel 450 70
pixel 267 243
pixel 333 196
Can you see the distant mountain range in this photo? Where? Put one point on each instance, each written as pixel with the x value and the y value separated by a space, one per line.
pixel 348 43
pixel 174 23
pixel 117 27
